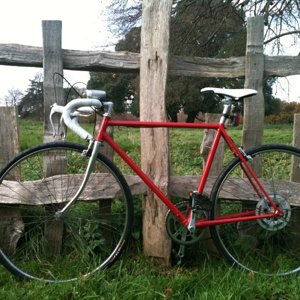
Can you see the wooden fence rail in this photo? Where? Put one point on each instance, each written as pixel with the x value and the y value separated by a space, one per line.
pixel 29 56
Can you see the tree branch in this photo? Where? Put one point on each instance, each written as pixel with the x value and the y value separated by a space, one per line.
pixel 281 35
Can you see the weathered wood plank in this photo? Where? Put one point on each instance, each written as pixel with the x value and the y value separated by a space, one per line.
pixel 40 192
pixel 21 55
pixel 10 218
pixel 104 187
pixel 207 67
pixel 53 93
pixel 237 189
pixel 282 65
pixel 254 71
pixel 9 135
pixel 155 141
pixel 295 175
pixel 123 61
pixel 29 56
pixel 52 62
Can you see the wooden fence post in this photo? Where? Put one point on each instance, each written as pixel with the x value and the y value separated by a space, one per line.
pixel 9 136
pixel 155 142
pixel 11 223
pixel 53 92
pixel 254 72
pixel 52 63
pixel 295 174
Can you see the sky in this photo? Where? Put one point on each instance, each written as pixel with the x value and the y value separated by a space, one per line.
pixel 84 27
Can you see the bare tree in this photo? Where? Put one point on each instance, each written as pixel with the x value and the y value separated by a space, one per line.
pixel 281 17
pixel 13 98
pixel 123 15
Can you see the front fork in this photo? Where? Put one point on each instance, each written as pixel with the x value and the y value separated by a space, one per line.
pixel 94 146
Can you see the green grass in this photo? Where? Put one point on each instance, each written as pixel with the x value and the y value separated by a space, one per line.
pixel 137 277
pixel 30 133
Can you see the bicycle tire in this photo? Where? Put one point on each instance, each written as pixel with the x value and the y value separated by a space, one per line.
pixel 267 246
pixel 89 236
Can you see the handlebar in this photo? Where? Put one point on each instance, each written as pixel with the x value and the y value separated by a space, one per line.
pixel 79 107
pixel 71 122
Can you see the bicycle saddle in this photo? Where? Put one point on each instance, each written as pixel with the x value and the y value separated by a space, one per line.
pixel 236 94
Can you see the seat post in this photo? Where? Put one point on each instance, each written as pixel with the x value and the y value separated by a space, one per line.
pixel 226 112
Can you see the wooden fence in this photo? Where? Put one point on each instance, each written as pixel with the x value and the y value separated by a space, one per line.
pixel 153 60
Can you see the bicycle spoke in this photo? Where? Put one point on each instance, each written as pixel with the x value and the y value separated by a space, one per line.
pixel 267 245
pixel 88 236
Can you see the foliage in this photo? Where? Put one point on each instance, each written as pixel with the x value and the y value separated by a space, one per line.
pixel 183 92
pixel 205 29
pixel 118 87
pixel 32 104
pixel 272 104
pixel 213 34
pixel 285 114
pixel 281 16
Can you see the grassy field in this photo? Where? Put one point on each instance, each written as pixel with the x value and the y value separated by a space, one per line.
pixel 184 143
pixel 137 277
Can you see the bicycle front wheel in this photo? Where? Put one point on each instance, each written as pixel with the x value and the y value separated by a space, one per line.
pixel 268 245
pixel 88 236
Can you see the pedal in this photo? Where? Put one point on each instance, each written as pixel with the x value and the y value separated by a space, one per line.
pixel 179 255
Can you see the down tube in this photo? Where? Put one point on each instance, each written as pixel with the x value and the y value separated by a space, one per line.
pixel 106 137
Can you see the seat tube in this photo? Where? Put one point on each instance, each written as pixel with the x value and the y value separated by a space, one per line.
pixel 210 159
pixel 213 150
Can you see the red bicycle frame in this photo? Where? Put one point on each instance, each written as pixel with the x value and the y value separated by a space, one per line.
pixel 103 136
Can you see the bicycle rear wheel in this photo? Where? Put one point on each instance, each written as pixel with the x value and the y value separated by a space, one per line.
pixel 269 245
pixel 89 236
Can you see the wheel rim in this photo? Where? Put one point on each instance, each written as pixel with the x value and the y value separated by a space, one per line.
pixel 88 237
pixel 268 246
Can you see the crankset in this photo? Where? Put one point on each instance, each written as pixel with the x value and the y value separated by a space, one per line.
pixel 179 233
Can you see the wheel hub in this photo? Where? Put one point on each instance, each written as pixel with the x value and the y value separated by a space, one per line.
pixel 276 223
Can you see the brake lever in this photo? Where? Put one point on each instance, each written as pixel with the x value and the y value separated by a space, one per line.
pixel 55 108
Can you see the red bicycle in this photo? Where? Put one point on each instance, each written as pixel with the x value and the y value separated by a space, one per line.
pixel 71 210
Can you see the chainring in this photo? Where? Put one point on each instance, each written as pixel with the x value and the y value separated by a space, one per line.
pixel 179 233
